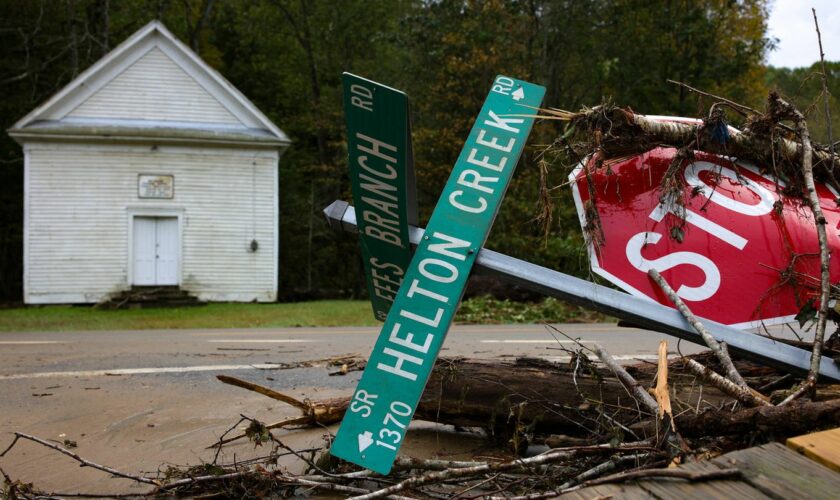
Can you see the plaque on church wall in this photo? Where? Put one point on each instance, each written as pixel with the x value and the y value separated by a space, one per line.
pixel 156 186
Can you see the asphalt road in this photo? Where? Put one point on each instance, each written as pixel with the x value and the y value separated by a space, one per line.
pixel 136 399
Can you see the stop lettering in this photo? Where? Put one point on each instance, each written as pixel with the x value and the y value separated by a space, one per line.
pixel 747 254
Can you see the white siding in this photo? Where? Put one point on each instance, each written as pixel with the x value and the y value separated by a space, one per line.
pixel 81 199
pixel 155 88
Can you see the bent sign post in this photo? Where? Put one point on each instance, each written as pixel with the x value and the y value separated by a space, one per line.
pixel 382 174
pixel 396 374
pixel 641 312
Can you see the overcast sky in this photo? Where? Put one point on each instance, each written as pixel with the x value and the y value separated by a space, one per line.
pixel 792 23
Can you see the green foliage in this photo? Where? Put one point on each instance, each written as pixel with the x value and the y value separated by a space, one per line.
pixel 481 310
pixel 287 56
pixel 804 88
pixel 487 310
pixel 257 433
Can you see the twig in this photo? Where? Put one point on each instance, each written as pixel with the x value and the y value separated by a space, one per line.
pixel 626 379
pixel 710 341
pixel 265 391
pixel 324 486
pixel 476 485
pixel 283 423
pixel 601 469
pixel 431 464
pixel 221 442
pixel 671 473
pixel 737 106
pixel 772 385
pixel 743 395
pixel 824 78
pixel 594 472
pixel 448 474
pixel 84 462
pixel 189 481
pixel 744 110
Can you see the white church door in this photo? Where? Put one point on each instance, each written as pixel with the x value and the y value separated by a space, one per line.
pixel 156 245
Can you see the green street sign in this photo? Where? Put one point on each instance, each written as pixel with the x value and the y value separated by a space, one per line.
pixel 382 175
pixel 396 374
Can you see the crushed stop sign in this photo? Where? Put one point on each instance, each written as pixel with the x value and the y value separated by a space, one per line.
pixel 747 253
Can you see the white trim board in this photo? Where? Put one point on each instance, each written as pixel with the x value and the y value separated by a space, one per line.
pixel 152 35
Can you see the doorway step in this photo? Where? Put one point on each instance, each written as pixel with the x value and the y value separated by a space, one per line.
pixel 151 296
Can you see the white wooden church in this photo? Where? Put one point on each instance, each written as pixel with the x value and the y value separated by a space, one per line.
pixel 149 169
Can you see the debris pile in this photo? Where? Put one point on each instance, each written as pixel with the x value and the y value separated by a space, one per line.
pixel 559 427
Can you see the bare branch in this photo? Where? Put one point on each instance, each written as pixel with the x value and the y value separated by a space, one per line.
pixel 744 395
pixel 825 93
pixel 445 475
pixel 720 353
pixel 734 105
pixel 672 473
pixel 265 391
pixel 84 462
pixel 626 379
pixel 788 110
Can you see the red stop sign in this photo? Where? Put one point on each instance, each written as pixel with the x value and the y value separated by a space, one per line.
pixel 748 255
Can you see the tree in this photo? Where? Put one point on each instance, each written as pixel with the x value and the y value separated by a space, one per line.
pixel 803 87
pixel 288 55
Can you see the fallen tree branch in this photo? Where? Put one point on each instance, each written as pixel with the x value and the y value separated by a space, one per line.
pixel 617 133
pixel 786 110
pixel 82 461
pixel 449 474
pixel 714 345
pixel 797 417
pixel 626 379
pixel 265 391
pixel 669 473
pixel 744 395
pixel 600 469
pixel 475 393
pixel 191 481
pixel 291 480
pixel 571 485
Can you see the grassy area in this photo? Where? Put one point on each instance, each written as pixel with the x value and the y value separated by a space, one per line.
pixel 67 318
pixel 486 310
pixel 320 313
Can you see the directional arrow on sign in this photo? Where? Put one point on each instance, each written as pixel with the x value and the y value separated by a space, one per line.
pixel 365 440
pixel 418 320
pixel 518 94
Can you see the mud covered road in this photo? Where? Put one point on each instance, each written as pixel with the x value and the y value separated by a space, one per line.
pixel 139 400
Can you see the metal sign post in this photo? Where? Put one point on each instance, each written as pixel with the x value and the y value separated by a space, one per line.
pixel 641 312
pixel 382 174
pixel 397 371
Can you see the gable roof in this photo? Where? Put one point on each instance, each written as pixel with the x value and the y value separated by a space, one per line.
pixel 151 86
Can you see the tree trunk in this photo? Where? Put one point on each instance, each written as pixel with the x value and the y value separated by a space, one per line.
pixel 528 394
pixel 796 417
